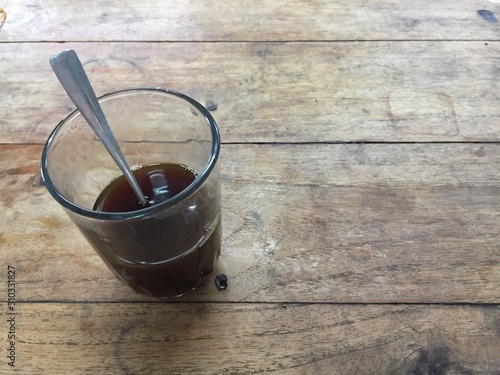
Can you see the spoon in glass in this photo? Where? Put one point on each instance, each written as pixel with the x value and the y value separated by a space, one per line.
pixel 69 70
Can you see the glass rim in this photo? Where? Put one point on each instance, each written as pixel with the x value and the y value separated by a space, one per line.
pixel 143 212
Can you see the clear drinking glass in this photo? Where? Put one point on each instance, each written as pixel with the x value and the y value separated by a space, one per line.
pixel 163 250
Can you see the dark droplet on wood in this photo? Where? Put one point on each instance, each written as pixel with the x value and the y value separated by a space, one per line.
pixel 411 23
pixel 488 15
pixel 221 282
pixel 211 105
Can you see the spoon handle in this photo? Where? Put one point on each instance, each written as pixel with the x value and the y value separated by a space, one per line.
pixel 69 70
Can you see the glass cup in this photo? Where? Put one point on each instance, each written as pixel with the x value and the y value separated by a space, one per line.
pixel 163 250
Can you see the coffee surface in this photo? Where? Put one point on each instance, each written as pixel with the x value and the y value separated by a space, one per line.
pixel 158 182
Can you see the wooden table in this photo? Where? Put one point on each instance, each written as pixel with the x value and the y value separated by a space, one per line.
pixel 361 188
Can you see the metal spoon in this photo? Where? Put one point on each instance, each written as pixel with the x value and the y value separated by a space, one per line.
pixel 69 70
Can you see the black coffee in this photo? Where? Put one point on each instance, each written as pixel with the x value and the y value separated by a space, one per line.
pixel 160 255
pixel 158 182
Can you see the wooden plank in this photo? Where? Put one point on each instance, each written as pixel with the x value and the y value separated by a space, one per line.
pixel 155 20
pixel 301 223
pixel 254 338
pixel 278 92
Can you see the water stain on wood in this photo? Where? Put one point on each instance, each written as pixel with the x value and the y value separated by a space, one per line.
pixel 492 319
pixel 432 361
pixel 211 105
pixel 18 171
pixel 487 15
pixel 87 325
pixel 439 109
pixel 480 153
pixel 411 23
pixel 51 222
pixel 264 52
pixel 437 361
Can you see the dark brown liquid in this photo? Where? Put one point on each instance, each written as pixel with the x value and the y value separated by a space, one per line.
pixel 159 255
pixel 158 182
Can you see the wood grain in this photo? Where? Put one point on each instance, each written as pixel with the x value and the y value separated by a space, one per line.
pixel 320 223
pixel 255 338
pixel 278 92
pixel 155 20
pixel 360 174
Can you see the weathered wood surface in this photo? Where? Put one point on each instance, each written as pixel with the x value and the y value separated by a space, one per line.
pixel 349 248
pixel 320 223
pixel 255 338
pixel 158 20
pixel 278 92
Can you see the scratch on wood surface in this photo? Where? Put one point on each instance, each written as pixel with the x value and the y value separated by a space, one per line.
pixel 257 221
pixel 359 364
pixel 269 351
pixel 270 248
pixel 117 352
pixel 272 245
pixel 103 65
